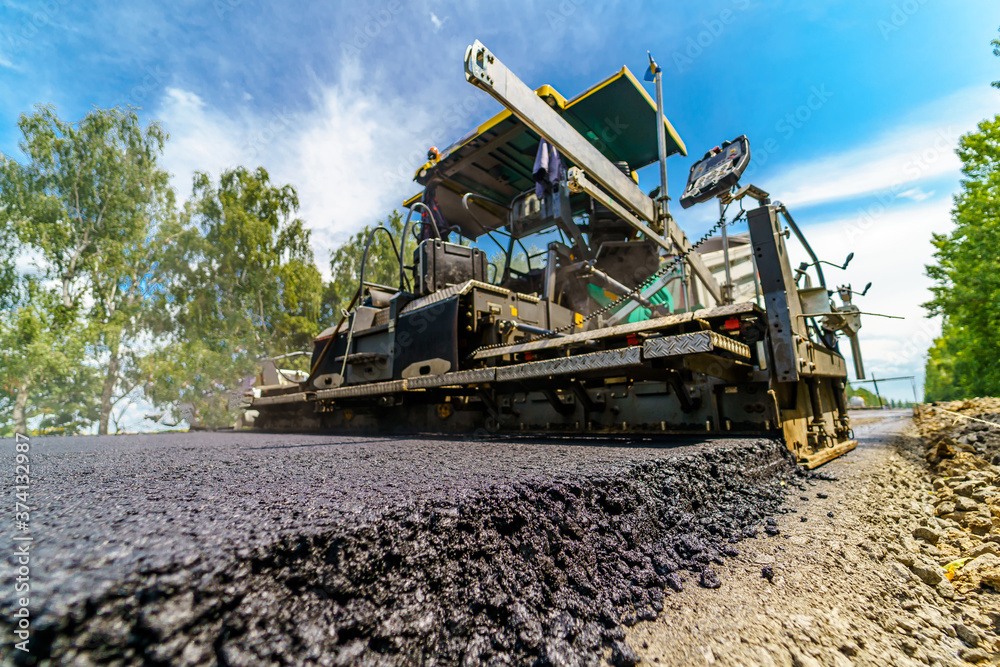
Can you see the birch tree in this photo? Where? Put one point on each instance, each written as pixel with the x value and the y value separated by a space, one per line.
pixel 93 203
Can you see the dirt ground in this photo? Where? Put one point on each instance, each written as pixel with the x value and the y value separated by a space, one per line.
pixel 853 576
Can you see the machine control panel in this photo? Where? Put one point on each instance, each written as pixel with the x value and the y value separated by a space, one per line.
pixel 719 170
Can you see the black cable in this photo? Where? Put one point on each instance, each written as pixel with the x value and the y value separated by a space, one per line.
pixel 391 240
pixel 361 287
pixel 465 203
pixel 402 250
pixel 430 215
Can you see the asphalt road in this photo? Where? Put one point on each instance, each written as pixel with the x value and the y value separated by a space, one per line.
pixel 116 517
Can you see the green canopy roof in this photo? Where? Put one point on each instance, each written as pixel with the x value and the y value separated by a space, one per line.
pixel 495 160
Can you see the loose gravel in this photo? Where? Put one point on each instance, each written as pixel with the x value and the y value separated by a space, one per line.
pixel 885 572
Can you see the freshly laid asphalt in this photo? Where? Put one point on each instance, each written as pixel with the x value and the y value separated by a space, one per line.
pixel 111 514
pixel 109 506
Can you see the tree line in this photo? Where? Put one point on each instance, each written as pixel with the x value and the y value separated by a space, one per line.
pixel 962 361
pixel 112 292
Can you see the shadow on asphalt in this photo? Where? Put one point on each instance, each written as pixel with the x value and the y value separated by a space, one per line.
pixel 597 440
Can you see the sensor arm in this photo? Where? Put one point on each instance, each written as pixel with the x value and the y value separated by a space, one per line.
pixel 485 71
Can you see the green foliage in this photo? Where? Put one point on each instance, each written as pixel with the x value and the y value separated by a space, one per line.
pixel 91 201
pixel 241 286
pixel 42 367
pixel 996 52
pixel 67 403
pixel 966 275
pixel 10 245
pixel 255 275
pixel 966 290
pixel 381 267
pixel 871 400
pixel 939 372
pixel 131 295
pixel 84 186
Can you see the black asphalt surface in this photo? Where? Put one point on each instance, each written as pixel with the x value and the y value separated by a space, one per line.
pixel 246 548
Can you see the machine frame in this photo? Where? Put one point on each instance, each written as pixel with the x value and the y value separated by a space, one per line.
pixel 541 351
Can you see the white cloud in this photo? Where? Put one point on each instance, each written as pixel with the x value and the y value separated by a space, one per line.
pixel 921 148
pixel 200 138
pixel 916 194
pixel 891 228
pixel 891 250
pixel 437 22
pixel 29 261
pixel 351 155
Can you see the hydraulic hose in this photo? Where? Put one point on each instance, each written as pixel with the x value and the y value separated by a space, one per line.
pixel 361 287
pixel 802 239
pixel 406 230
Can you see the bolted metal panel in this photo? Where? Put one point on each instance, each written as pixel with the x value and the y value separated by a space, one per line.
pixel 426 367
pixel 692 343
pixel 730 310
pixel 581 363
pixel 777 284
pixel 596 334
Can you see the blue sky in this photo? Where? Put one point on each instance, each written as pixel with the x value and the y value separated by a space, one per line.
pixel 852 108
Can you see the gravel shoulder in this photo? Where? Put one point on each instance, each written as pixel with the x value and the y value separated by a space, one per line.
pixel 844 582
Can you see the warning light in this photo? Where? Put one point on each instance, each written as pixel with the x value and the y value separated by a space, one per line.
pixel 732 323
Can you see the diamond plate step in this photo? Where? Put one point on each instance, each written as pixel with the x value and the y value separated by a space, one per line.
pixel 692 343
pixel 581 363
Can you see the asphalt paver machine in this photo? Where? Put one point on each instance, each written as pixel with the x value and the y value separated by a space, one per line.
pixel 542 291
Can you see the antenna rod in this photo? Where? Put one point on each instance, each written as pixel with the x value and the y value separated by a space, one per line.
pixel 661 139
pixel 661 134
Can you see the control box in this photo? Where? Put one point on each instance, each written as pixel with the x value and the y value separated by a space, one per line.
pixel 718 171
pixel 440 264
